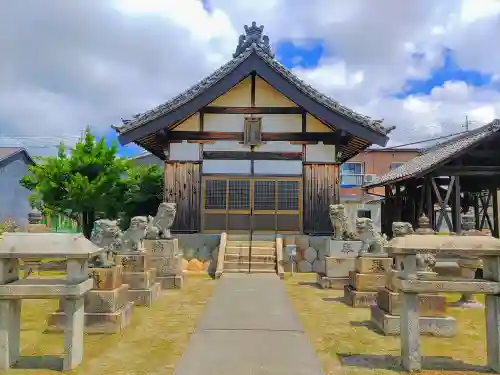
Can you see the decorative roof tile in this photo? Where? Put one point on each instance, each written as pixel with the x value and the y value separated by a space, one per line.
pixel 263 51
pixel 436 155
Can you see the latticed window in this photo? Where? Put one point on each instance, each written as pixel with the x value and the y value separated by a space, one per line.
pixel 288 195
pixel 264 195
pixel 215 194
pixel 239 194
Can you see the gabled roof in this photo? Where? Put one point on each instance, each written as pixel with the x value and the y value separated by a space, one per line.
pixel 437 155
pixel 253 59
pixel 7 153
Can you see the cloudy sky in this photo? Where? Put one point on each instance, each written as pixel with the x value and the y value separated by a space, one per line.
pixel 422 65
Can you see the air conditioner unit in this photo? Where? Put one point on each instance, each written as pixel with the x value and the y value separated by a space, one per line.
pixel 369 178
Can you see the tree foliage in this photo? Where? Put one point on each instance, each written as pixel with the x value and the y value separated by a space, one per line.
pixel 143 192
pixel 84 183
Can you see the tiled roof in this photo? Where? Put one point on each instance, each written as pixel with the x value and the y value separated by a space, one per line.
pixel 436 154
pixel 5 152
pixel 220 73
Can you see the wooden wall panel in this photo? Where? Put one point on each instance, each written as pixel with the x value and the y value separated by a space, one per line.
pixel 321 188
pixel 183 186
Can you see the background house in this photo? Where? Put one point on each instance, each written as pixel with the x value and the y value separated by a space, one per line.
pixel 14 205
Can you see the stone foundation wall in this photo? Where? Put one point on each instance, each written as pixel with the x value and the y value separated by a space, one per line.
pixel 200 252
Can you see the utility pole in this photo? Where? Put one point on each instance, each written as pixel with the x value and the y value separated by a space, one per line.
pixel 466 123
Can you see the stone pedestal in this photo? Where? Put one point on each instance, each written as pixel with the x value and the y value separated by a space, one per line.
pixel 139 274
pixel 166 260
pixel 385 314
pixel 468 269
pixel 38 228
pixel 339 261
pixel 107 307
pixel 367 278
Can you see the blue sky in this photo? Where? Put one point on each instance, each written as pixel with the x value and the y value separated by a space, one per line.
pixel 307 54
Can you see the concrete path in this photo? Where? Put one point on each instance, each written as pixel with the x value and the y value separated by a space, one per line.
pixel 249 328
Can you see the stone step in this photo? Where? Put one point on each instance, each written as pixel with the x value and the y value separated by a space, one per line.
pixel 253 270
pixel 255 237
pixel 245 251
pixel 269 244
pixel 244 266
pixel 254 258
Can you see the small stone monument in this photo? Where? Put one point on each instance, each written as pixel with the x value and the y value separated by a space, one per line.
pixel 385 314
pixel 370 267
pixel 138 271
pixel 340 252
pixel 107 306
pixel 468 267
pixel 163 249
pixel 34 222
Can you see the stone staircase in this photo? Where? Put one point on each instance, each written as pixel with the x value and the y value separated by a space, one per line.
pixel 244 255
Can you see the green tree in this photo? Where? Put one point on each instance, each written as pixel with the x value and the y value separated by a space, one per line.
pixel 143 192
pixel 83 184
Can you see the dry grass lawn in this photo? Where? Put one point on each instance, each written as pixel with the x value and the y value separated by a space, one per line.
pixel 346 343
pixel 151 345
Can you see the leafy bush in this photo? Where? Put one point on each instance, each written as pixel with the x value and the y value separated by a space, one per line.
pixel 9 226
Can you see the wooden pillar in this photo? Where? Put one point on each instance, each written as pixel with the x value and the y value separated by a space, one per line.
pixel 494 196
pixel 428 202
pixel 399 204
pixel 456 207
pixel 477 219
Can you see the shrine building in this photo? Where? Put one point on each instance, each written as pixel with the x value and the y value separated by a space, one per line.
pixel 252 147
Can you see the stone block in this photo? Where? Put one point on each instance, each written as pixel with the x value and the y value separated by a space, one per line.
pixel 367 264
pixel 430 326
pixel 111 322
pixel 168 265
pixel 389 280
pixel 339 267
pixel 139 280
pixel 145 297
pixel 107 278
pixel 171 282
pixel 162 247
pixel 342 249
pixel 355 298
pixel 429 304
pixel 106 301
pixel 369 282
pixel 134 262
pixel 38 228
pixel 336 283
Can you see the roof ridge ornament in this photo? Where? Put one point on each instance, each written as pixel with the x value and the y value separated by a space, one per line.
pixel 253 35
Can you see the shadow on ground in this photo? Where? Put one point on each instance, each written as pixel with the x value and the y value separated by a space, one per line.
pixel 368 324
pixel 50 362
pixel 309 283
pixel 391 362
pixel 336 299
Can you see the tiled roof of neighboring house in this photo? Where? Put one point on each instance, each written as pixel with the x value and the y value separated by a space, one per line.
pixel 223 71
pixel 8 152
pixel 436 155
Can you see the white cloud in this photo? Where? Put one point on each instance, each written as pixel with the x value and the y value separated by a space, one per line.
pixel 66 65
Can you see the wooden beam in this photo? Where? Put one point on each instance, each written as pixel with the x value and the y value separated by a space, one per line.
pixel 254 110
pixel 456 207
pixel 483 153
pixel 494 195
pixel 252 90
pixel 478 170
pixel 327 138
pixel 249 155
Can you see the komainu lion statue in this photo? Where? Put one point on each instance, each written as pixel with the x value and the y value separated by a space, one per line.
pixel 159 226
pixel 338 219
pixel 133 238
pixel 401 228
pixel 106 235
pixel 372 241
